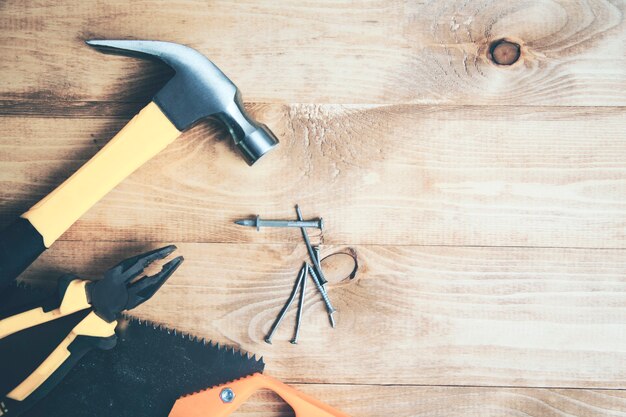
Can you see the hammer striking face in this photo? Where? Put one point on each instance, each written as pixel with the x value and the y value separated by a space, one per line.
pixel 198 90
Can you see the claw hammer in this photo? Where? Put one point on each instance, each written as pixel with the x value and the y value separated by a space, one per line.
pixel 197 90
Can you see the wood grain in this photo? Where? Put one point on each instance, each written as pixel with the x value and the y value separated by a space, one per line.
pixel 485 202
pixel 414 175
pixel 374 51
pixel 402 401
pixel 414 315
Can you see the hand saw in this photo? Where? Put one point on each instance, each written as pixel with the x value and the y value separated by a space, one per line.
pixel 157 372
pixel 143 376
pixel 151 368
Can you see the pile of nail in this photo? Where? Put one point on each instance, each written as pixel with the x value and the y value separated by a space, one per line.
pixel 312 269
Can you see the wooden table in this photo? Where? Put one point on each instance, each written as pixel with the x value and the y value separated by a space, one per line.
pixel 487 203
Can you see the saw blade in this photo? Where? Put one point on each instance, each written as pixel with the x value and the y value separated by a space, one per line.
pixel 21 296
pixel 146 372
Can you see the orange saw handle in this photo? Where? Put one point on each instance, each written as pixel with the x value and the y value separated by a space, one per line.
pixel 222 400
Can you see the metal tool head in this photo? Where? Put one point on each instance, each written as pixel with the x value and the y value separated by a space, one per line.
pixel 118 290
pixel 198 90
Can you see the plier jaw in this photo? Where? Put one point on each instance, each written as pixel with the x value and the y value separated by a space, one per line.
pixel 120 290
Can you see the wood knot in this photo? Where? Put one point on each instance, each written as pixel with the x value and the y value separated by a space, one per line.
pixel 504 52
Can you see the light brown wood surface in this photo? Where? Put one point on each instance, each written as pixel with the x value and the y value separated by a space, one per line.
pixel 486 203
pixel 408 175
pixel 372 51
pixel 454 315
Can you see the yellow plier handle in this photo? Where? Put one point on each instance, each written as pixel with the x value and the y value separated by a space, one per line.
pixel 38 347
pixel 74 299
pixel 92 325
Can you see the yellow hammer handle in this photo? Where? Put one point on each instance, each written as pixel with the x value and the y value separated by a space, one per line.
pixel 148 133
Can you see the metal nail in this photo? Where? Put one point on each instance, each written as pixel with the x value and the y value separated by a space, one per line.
pixel 281 315
pixel 259 222
pixel 300 309
pixel 307 242
pixel 316 250
pixel 329 307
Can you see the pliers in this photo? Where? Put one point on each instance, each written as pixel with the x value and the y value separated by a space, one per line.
pixel 83 317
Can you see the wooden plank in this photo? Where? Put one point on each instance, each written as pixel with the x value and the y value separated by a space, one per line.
pixel 401 401
pixel 375 51
pixel 414 315
pixel 495 176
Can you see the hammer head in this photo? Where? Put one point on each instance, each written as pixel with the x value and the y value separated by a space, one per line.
pixel 198 90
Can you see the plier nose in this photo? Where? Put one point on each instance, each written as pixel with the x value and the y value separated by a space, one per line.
pixel 119 289
pixel 144 288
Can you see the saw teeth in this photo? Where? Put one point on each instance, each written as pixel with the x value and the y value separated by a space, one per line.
pixel 192 338
pixel 204 365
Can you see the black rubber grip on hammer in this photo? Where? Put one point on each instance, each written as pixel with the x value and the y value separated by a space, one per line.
pixel 20 245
